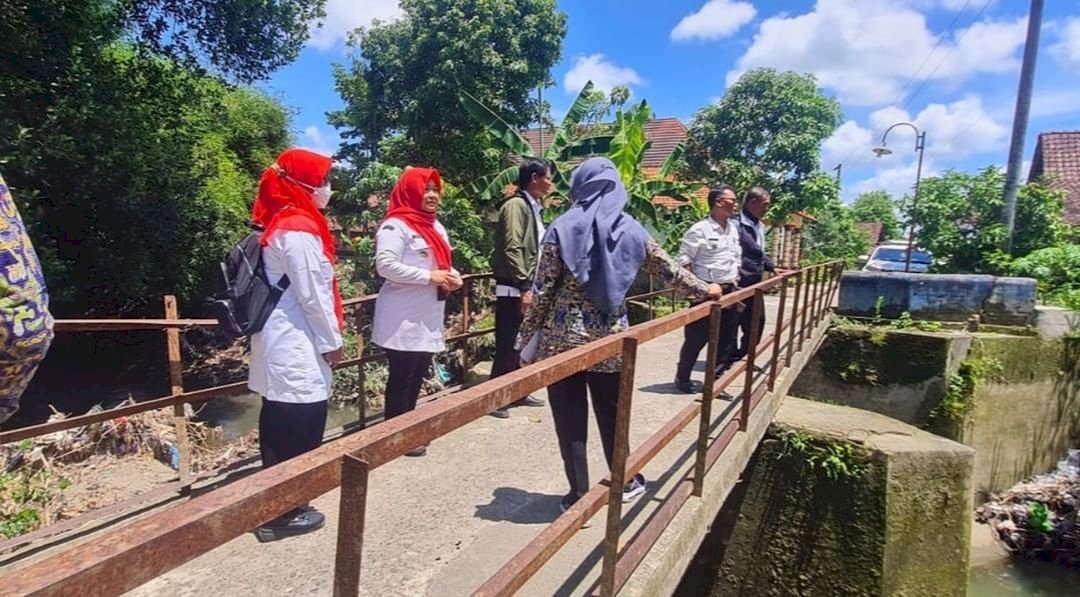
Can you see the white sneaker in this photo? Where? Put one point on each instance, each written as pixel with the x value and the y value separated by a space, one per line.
pixel 634 488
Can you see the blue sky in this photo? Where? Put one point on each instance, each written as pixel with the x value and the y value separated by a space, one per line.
pixel 952 66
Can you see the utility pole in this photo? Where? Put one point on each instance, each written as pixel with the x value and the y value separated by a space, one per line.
pixel 1020 120
pixel 838 168
pixel 540 114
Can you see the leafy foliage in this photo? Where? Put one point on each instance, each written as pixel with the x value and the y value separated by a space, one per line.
pixel 834 235
pixel 133 172
pixel 570 141
pixel 836 460
pixel 401 84
pixel 959 399
pixel 766 131
pixel 877 206
pixel 958 218
pixel 1057 270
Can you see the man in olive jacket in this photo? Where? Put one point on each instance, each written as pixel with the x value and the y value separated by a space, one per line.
pixel 517 248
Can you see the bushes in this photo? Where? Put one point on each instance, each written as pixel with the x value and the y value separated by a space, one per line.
pixel 1057 270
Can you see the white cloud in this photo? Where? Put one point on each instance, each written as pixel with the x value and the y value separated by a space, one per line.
pixel 955 130
pixel 343 16
pixel 717 19
pixel 1067 49
pixel 898 179
pixel 601 72
pixel 866 50
pixel 850 143
pixel 1059 102
pixel 315 139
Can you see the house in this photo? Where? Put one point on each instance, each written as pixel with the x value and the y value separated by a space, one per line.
pixel 873 232
pixel 1057 159
pixel 785 240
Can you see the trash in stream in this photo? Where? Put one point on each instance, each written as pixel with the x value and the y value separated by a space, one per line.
pixel 1037 519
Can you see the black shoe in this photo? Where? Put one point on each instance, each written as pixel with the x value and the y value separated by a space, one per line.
pixel 500 413
pixel 758 369
pixel 305 521
pixel 689 386
pixel 566 503
pixel 722 369
pixel 417 452
pixel 530 401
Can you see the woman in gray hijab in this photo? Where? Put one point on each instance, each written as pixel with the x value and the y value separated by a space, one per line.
pixel 589 258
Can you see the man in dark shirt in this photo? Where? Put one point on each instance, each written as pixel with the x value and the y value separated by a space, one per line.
pixel 755 261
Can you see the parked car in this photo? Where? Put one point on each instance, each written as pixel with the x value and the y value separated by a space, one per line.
pixel 892 256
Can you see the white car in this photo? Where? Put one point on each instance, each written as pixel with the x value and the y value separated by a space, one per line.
pixel 892 257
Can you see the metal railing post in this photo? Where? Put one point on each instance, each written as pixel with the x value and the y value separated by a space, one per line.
pixel 361 374
pixel 176 382
pixel 806 283
pixel 466 316
pixel 751 357
pixel 652 300
pixel 794 319
pixel 706 399
pixel 351 514
pixel 618 467
pixel 774 362
pixel 822 287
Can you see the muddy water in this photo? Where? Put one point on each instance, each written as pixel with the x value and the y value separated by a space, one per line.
pixel 238 415
pixel 1011 578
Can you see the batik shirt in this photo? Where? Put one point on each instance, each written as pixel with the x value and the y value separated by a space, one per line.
pixel 566 318
pixel 25 323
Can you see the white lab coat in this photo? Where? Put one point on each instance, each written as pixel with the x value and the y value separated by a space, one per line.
pixel 286 356
pixel 408 314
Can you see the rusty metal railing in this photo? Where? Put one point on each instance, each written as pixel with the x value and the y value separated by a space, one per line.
pixel 125 557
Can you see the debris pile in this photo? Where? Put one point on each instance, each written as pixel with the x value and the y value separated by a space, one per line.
pixel 1037 519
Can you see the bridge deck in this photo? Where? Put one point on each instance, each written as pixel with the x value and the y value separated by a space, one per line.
pixel 442 524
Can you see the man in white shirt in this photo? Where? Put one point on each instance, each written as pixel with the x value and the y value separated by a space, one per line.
pixel 710 249
pixel 518 235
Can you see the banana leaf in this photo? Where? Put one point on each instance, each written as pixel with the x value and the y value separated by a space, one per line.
pixel 498 128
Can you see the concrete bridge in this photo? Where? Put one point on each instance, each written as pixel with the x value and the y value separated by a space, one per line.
pixel 480 513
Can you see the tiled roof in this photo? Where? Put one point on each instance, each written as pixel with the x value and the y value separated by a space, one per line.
pixel 665 134
pixel 1057 157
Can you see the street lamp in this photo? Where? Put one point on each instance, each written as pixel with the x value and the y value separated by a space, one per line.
pixel 920 145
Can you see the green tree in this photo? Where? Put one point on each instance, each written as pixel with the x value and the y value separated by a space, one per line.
pixel 401 85
pixel 958 219
pixel 877 206
pixel 134 169
pixel 834 235
pixel 767 131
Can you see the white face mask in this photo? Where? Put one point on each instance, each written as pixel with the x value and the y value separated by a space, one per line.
pixel 322 196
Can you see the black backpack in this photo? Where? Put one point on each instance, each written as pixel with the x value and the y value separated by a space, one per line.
pixel 248 297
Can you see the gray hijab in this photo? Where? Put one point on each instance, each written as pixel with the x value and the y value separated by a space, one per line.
pixel 600 244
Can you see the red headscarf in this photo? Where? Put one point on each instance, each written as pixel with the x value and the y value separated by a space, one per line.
pixel 284 203
pixel 405 204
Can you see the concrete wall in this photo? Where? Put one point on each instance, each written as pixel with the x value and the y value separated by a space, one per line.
pixel 1021 418
pixel 939 297
pixel 898 526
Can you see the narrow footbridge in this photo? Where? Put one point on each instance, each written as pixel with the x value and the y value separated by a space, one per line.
pixel 480 514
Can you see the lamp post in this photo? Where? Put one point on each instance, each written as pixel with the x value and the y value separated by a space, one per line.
pixel 920 145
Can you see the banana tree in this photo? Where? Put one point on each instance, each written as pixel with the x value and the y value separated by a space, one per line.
pixel 628 148
pixel 570 142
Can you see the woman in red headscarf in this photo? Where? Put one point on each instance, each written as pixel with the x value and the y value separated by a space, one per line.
pixel 291 357
pixel 412 252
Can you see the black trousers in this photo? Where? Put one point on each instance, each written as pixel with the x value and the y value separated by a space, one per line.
pixel 746 321
pixel 407 371
pixel 570 410
pixel 287 430
pixel 508 320
pixel 696 336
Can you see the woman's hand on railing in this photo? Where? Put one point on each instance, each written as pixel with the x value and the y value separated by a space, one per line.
pixel 334 356
pixel 715 291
